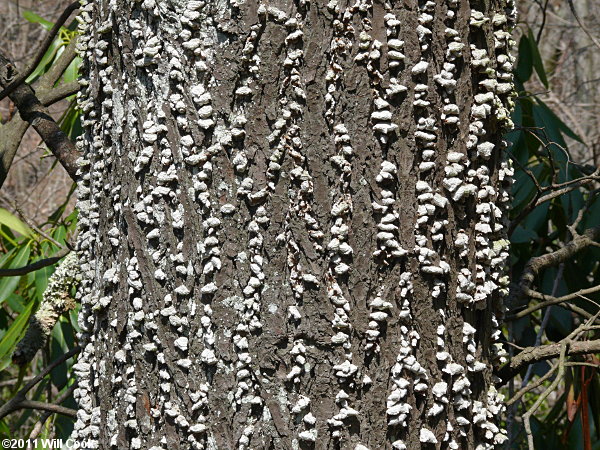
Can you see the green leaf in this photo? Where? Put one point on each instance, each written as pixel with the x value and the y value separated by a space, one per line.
pixel 524 188
pixel 41 280
pixel 58 346
pixel 34 18
pixel 560 323
pixel 525 63
pixel 9 284
pixel 575 441
pixel 16 303
pixel 73 319
pixel 14 223
pixel 13 336
pixel 522 235
pixel 71 73
pixel 4 430
pixel 51 54
pixel 4 258
pixel 537 60
pixel 537 220
pixel 559 123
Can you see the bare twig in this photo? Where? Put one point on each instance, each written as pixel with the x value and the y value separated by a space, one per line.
pixel 13 403
pixel 583 27
pixel 37 428
pixel 538 337
pixel 51 407
pixel 19 79
pixel 14 381
pixel 535 354
pixel 525 389
pixel 531 355
pixel 548 300
pixel 59 93
pixel 34 227
pixel 536 264
pixel 564 346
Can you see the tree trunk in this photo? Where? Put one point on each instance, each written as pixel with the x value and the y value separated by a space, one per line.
pixel 291 223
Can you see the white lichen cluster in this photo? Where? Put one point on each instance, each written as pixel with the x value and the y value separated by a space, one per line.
pixel 389 249
pixel 491 102
pixel 90 191
pixel 153 208
pixel 430 224
pixel 340 252
pixel 407 373
pixel 446 78
pixel 178 135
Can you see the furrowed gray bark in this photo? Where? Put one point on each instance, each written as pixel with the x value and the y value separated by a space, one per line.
pixel 292 223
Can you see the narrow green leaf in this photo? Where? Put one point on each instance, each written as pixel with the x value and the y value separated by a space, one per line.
pixel 16 303
pixel 58 346
pixel 13 335
pixel 9 284
pixel 34 18
pixel 71 73
pixel 525 63
pixel 41 280
pixel 14 223
pixel 4 430
pixel 537 220
pixel 4 258
pixel 537 60
pixel 51 54
pixel 560 124
pixel 522 235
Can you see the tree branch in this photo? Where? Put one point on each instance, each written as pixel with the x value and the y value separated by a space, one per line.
pixel 12 132
pixel 564 348
pixel 59 93
pixel 531 355
pixel 34 266
pixel 12 404
pixel 51 407
pixel 50 78
pixel 548 300
pixel 37 428
pixel 536 264
pixel 17 80
pixel 33 111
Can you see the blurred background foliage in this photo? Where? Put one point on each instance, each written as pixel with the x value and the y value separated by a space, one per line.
pixel 33 229
pixel 554 146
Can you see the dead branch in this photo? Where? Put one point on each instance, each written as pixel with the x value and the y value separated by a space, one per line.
pixel 549 300
pixel 531 355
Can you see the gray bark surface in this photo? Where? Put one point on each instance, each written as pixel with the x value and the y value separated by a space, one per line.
pixel 291 223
